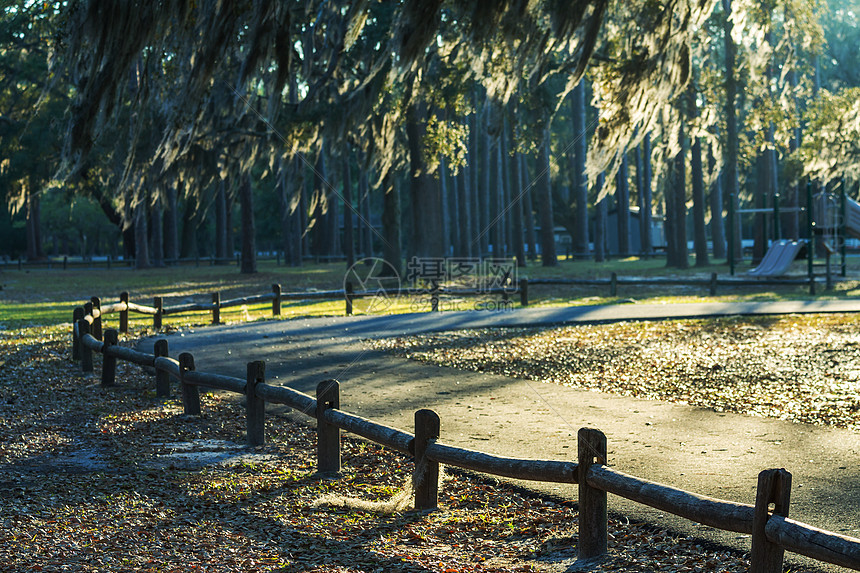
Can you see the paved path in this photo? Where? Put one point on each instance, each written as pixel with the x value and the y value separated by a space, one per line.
pixel 716 454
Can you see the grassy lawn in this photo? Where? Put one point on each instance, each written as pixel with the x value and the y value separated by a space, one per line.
pixel 38 297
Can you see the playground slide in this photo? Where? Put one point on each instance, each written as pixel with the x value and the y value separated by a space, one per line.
pixel 852 218
pixel 780 255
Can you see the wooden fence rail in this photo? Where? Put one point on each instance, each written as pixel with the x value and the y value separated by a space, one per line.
pixel 767 521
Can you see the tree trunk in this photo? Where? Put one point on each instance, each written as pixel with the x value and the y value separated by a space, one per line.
pixel 679 197
pixel 348 243
pixel 366 224
pixel 515 177
pixel 33 227
pixel 221 254
pixel 190 220
pixel 601 214
pixel 464 196
pixel 291 227
pixel 320 238
pixel 731 174
pixel 391 247
pixel 157 228
pixel 528 208
pixel 622 206
pixel 791 219
pixel 700 238
pixel 141 255
pixel 171 225
pixel 645 198
pixel 496 205
pixel 426 201
pixel 544 199
pixel 447 239
pixel 486 170
pixel 453 213
pixel 580 181
pixel 249 229
pixel 718 232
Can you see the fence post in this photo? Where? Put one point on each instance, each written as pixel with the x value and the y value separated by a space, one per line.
pixel 77 315
pixel 216 308
pixel 97 320
pixel 613 284
pixel 255 406
pixel 88 310
pixel 123 314
pixel 426 479
pixel 65 262
pixel 158 302
pixel 190 392
pixel 328 435
pixel 162 377
pixel 434 296
pixel 592 501
pixel 524 292
pixel 774 487
pixel 86 352
pixel 276 300
pixel 348 290
pixel 111 337
pixel 713 289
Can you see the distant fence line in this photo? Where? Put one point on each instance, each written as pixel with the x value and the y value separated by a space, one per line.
pixel 772 531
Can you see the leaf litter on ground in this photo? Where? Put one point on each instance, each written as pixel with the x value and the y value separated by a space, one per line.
pixel 87 484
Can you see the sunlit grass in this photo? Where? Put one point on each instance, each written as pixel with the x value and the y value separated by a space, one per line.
pixel 43 297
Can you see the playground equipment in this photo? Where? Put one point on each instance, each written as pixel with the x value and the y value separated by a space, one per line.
pixel 831 218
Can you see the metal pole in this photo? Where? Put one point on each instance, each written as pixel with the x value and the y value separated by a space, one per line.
pixel 732 234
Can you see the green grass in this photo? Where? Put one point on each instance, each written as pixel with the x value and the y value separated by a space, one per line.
pixel 44 297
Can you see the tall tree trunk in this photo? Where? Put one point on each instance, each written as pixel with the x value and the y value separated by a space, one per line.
pixel 718 231
pixel 141 255
pixel 171 224
pixel 452 214
pixel 679 197
pixel 157 227
pixel 528 208
pixel 320 237
pixel 645 198
pixel 622 206
pixel 486 170
pixel 33 227
pixel 222 256
pixel 791 218
pixel 515 177
pixel 700 237
pixel 496 205
pixel 601 215
pixel 544 200
pixel 190 220
pixel 447 240
pixel 249 227
pixel 291 228
pixel 731 178
pixel 580 180
pixel 391 246
pixel 366 224
pixel 348 243
pixel 464 195
pixel 426 200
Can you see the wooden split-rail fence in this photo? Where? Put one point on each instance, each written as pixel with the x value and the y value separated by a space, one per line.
pixel 767 521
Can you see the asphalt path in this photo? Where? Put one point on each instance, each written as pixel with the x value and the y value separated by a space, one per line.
pixel 697 449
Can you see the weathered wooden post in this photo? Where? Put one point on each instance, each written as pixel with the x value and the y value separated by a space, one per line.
pixel 613 284
pixel 774 487
pixel 86 351
pixel 158 303
pixel 434 296
pixel 77 315
pixel 276 300
pixel 713 289
pixel 216 308
pixel 123 314
pixel 348 292
pixel 111 338
pixel 190 392
pixel 425 481
pixel 88 310
pixel 524 292
pixel 592 501
pixel 162 377
pixel 255 407
pixel 97 317
pixel 328 435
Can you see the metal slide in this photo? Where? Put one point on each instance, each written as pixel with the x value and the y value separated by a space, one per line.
pixel 781 254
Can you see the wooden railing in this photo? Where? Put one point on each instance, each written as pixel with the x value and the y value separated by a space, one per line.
pixel 613 281
pixel 772 531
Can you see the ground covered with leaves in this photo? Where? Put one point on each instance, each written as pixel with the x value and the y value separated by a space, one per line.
pixel 113 479
pixel 804 368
